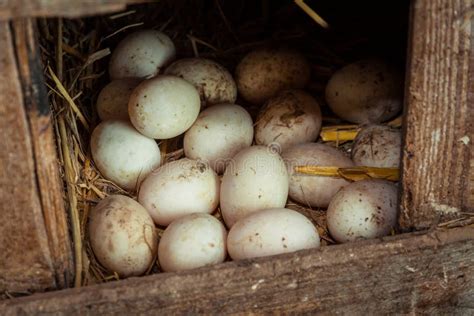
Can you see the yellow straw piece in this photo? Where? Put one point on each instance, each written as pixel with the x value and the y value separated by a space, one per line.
pixel 318 19
pixel 343 133
pixel 338 135
pixel 352 173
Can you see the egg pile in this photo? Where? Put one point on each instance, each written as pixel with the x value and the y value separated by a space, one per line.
pixel 241 167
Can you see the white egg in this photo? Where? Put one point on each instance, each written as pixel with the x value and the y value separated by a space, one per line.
pixel 271 232
pixel 367 91
pixel 193 241
pixel 122 154
pixel 164 107
pixel 363 209
pixel 291 117
pixel 214 83
pixel 112 102
pixel 377 146
pixel 179 188
pixel 218 134
pixel 122 235
pixel 256 179
pixel 141 55
pixel 310 190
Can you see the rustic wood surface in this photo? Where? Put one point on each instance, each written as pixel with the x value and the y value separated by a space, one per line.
pixel 65 8
pixel 438 151
pixel 431 273
pixel 34 243
pixel 43 139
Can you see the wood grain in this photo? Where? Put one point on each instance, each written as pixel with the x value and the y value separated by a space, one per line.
pixel 439 130
pixel 34 241
pixel 25 261
pixel 66 8
pixel 431 273
pixel 50 185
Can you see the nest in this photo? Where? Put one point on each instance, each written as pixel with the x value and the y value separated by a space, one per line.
pixel 75 54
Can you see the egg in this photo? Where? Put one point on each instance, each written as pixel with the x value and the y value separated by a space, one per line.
pixel 163 107
pixel 310 190
pixel 264 72
pixel 377 146
pixel 271 232
pixel 179 188
pixel 122 235
pixel 192 241
pixel 218 134
pixel 363 209
pixel 141 54
pixel 123 155
pixel 256 179
pixel 291 117
pixel 367 91
pixel 214 83
pixel 112 102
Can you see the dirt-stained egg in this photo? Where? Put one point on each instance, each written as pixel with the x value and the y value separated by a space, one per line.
pixel 264 72
pixel 310 190
pixel 367 91
pixel 291 117
pixel 192 241
pixel 364 209
pixel 256 179
pixel 218 134
pixel 112 102
pixel 213 82
pixel 142 55
pixel 271 232
pixel 377 146
pixel 122 235
pixel 164 107
pixel 122 154
pixel 179 188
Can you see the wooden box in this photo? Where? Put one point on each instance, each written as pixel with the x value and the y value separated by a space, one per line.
pixel 429 269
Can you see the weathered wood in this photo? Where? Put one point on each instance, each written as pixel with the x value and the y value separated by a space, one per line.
pixel 34 243
pixel 403 274
pixel 439 114
pixel 47 167
pixel 64 8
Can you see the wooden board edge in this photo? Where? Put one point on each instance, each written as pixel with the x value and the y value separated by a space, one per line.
pixel 425 272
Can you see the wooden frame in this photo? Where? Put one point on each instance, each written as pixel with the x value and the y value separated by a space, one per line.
pixel 430 272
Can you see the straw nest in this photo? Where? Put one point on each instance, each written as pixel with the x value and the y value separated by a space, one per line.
pixel 75 55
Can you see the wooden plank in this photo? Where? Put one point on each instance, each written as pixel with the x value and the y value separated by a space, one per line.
pixel 410 273
pixel 25 261
pixel 34 240
pixel 50 184
pixel 66 8
pixel 439 129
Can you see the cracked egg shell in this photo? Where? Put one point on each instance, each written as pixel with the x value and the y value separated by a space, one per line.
pixel 122 235
pixel 271 232
pixel 364 209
